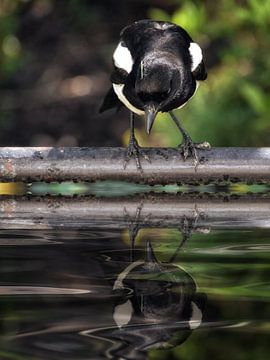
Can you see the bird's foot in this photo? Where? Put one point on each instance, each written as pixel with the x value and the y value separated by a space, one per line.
pixel 133 223
pixel 189 149
pixel 189 226
pixel 134 149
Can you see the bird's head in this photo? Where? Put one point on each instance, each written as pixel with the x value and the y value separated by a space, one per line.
pixel 155 87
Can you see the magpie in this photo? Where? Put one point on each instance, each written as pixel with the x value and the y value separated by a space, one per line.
pixel 157 68
pixel 158 306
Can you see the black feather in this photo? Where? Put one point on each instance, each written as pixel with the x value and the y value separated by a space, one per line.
pixel 119 76
pixel 110 101
pixel 200 72
pixel 161 72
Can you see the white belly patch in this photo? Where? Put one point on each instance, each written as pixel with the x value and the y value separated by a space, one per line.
pixel 118 89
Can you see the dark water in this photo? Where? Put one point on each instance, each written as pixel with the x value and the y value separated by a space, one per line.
pixel 128 279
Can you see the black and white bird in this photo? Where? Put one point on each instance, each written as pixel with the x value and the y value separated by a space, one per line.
pixel 157 68
pixel 159 306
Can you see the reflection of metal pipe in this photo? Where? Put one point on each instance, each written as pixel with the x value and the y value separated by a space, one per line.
pixel 157 210
pixel 167 166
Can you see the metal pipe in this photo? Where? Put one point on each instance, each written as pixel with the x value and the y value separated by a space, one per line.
pixel 218 165
pixel 155 210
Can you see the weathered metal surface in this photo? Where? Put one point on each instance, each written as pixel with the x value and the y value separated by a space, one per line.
pixel 155 210
pixel 218 165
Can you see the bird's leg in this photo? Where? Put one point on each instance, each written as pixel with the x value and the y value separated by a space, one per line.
pixel 133 148
pixel 133 227
pixel 188 147
pixel 186 229
pixel 188 226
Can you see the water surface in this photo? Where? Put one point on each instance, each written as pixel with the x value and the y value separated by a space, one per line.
pixel 154 278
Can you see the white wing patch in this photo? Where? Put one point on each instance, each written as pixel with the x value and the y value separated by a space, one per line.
pixel 122 58
pixel 123 313
pixel 196 55
pixel 196 318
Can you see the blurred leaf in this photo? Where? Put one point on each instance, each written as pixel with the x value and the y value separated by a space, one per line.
pixel 191 17
pixel 260 11
pixel 255 97
pixel 158 14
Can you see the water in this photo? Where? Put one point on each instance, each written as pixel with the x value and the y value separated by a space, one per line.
pixel 148 276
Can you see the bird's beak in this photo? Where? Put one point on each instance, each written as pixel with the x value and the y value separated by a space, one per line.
pixel 150 113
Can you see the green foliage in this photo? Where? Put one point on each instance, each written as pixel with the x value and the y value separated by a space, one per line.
pixel 231 107
pixel 159 14
pixel 10 48
pixel 190 10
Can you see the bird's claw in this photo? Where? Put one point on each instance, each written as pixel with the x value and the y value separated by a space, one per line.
pixel 134 149
pixel 203 145
pixel 189 149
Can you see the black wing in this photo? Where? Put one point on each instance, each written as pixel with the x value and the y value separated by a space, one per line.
pixel 110 101
pixel 200 72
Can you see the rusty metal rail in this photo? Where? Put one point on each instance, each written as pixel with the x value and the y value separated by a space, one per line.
pixel 218 165
pixel 151 210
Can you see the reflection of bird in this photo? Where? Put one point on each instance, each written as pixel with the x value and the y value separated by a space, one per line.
pixel 157 67
pixel 158 307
